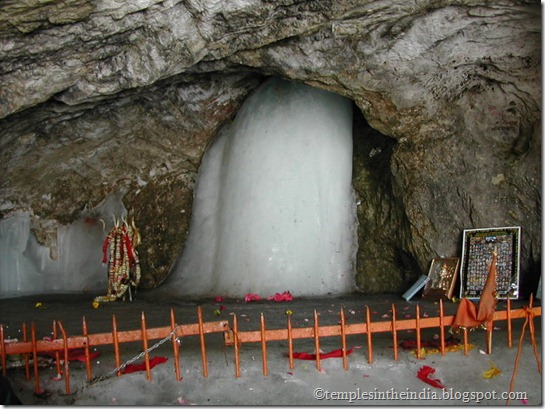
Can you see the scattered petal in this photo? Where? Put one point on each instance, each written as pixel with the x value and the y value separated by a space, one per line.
pixel 385 316
pixel 96 304
pixel 492 372
pixel 251 297
pixel 289 312
pixel 524 401
pixel 285 296
pixel 218 299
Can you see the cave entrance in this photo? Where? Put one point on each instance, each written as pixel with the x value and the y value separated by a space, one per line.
pixel 274 206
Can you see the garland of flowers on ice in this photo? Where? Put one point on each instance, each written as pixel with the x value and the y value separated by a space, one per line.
pixel 119 250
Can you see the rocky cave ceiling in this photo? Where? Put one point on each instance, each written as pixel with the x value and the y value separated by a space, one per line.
pixel 109 95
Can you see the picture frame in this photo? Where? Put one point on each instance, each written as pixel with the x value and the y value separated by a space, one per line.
pixel 477 248
pixel 443 275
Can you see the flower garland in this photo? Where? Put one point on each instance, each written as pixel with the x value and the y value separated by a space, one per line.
pixel 119 251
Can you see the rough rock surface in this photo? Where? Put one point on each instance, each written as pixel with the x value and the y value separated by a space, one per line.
pixel 113 95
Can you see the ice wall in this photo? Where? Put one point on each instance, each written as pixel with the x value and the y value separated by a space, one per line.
pixel 26 267
pixel 274 207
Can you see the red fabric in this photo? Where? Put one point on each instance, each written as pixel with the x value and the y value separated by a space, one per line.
pixel 337 353
pixel 424 374
pixel 469 315
pixel 142 366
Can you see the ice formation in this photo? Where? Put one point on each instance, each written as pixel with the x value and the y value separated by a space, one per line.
pixel 274 206
pixel 26 267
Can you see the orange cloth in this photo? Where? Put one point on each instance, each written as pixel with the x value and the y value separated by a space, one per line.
pixel 471 316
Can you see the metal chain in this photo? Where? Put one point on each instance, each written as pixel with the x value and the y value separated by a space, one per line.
pixel 136 358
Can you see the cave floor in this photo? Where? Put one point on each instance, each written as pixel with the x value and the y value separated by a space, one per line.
pixel 387 381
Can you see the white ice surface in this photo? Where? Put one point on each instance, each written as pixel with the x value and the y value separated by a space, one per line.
pixel 274 207
pixel 26 267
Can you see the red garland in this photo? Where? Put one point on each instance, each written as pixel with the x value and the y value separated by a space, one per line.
pixel 128 243
pixel 105 249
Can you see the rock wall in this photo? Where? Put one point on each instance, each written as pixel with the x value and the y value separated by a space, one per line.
pixel 104 96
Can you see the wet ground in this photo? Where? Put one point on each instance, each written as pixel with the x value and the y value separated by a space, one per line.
pixel 385 381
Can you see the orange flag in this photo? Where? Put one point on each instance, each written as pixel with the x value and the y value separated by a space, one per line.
pixel 471 316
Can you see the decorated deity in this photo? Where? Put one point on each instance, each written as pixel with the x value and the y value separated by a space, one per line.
pixel 119 251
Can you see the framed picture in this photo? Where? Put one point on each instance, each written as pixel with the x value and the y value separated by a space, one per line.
pixel 477 248
pixel 443 274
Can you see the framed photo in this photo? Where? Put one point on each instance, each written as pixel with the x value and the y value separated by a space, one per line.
pixel 443 274
pixel 477 248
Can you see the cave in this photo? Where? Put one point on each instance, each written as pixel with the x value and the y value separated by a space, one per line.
pixel 109 112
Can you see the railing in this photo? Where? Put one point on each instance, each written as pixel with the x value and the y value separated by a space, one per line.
pixel 234 337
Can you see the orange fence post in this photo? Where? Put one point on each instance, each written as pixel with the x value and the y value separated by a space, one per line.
pixel 115 338
pixel 145 345
pixel 27 365
pixel 37 388
pixel 57 353
pixel 394 332
pixel 317 341
pixel 417 328
pixel 509 327
pixel 530 318
pixel 343 339
pixel 442 327
pixel 488 338
pixel 236 346
pixel 203 345
pixel 264 346
pixel 66 359
pixel 466 342
pixel 175 346
pixel 87 352
pixel 369 334
pixel 290 343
